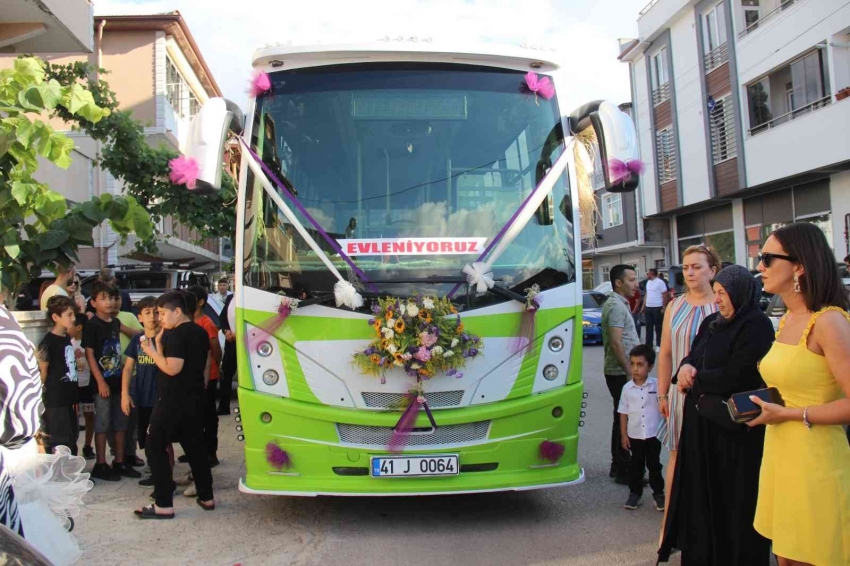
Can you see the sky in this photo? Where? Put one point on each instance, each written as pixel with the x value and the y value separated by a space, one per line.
pixel 584 32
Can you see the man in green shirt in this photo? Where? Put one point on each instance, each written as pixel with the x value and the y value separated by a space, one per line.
pixel 618 338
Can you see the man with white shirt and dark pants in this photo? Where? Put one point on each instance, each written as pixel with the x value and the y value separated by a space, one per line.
pixel 655 299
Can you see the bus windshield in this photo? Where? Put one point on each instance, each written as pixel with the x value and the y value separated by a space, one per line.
pixel 413 168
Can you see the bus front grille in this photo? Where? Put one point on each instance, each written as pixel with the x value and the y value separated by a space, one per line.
pixel 378 437
pixel 436 399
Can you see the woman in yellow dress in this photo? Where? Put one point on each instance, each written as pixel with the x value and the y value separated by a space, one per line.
pixel 804 486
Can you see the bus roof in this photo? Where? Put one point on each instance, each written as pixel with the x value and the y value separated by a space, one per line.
pixel 407 49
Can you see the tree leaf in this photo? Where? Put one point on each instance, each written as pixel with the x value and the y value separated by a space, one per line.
pixel 23 191
pixel 51 93
pixel 26 103
pixel 6 141
pixel 30 68
pixel 14 250
pixel 51 239
pixel 24 131
pixel 92 211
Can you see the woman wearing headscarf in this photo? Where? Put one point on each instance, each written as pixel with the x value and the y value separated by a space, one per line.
pixel 715 484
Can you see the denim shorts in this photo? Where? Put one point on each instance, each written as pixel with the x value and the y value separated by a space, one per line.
pixel 108 416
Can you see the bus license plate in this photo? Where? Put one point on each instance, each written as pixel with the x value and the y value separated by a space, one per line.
pixel 411 466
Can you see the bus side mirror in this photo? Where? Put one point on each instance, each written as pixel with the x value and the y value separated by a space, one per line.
pixel 617 138
pixel 207 136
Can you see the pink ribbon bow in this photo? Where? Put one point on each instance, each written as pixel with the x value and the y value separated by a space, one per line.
pixel 539 85
pixel 184 171
pixel 618 169
pixel 260 83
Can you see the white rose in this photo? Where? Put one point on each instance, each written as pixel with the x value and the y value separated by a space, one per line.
pixel 437 350
pixel 412 310
pixel 428 304
pixel 402 309
pixel 406 356
pixel 392 349
pixel 390 323
pixel 415 366
pixel 448 354
pixel 455 342
pixel 388 333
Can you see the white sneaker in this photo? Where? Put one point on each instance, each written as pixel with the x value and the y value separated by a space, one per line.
pixel 190 491
pixel 184 480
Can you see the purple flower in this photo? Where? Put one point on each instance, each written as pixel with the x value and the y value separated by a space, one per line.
pixel 382 361
pixel 465 353
pixel 473 352
pixel 412 349
pixel 451 371
pixel 376 308
pixel 457 322
pixel 458 375
pixel 427 339
pixel 464 337
pixel 412 372
pixel 371 322
pixel 396 306
pixel 369 351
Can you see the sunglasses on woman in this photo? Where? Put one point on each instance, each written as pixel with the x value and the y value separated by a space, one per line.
pixel 767 259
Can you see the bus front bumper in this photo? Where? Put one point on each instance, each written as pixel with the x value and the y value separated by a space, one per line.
pixel 327 460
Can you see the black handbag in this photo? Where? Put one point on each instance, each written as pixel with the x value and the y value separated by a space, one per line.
pixel 714 408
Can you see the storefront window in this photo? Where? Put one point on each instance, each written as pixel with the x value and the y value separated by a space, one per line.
pixel 723 242
pixel 824 222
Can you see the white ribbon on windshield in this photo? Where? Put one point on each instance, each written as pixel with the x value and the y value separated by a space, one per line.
pixel 344 292
pixel 477 273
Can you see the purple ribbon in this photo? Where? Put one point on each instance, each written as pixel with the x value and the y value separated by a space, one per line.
pixel 282 188
pixel 501 232
pixel 407 421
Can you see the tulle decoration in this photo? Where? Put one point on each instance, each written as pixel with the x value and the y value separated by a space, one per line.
pixel 480 276
pixel 277 457
pixel 184 171
pixel 49 490
pixel 539 85
pixel 618 169
pixel 528 325
pixel 406 423
pixel 346 294
pixel 260 83
pixel 551 451
pixel 287 306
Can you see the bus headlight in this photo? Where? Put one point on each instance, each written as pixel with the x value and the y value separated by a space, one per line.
pixel 550 372
pixel 270 377
pixel 556 344
pixel 264 349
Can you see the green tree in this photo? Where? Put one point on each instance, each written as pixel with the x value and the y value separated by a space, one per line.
pixel 142 168
pixel 38 229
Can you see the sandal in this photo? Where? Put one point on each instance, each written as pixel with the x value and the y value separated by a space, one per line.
pixel 149 512
pixel 205 507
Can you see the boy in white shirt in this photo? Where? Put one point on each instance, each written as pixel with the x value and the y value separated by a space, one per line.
pixel 639 419
pixel 84 383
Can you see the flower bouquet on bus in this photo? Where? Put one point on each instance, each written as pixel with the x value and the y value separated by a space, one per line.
pixel 422 336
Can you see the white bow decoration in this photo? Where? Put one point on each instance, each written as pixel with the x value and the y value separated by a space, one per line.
pixel 480 275
pixel 346 294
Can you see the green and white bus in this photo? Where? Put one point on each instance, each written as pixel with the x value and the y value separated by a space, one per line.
pixel 410 171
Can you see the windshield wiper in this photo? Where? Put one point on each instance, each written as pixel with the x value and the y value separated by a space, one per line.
pixel 436 280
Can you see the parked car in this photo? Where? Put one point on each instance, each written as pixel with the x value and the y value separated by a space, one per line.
pixel 28 297
pixel 143 281
pixel 592 317
pixel 776 306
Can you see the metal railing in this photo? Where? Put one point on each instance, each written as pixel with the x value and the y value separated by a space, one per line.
pixel 716 58
pixel 665 149
pixel 661 94
pixel 647 8
pixel 753 26
pixel 724 142
pixel 793 115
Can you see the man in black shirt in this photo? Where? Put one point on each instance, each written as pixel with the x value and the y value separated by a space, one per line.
pixel 183 359
pixel 228 361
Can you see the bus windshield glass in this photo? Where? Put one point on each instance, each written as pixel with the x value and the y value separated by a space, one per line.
pixel 412 168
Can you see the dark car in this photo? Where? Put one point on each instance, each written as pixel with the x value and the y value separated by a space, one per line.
pixel 591 323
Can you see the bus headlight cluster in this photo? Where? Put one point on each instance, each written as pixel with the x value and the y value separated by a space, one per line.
pixel 550 372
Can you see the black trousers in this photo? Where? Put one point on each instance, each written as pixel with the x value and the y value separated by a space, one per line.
pixel 210 420
pixel 645 453
pixel 183 423
pixel 619 456
pixel 225 380
pixel 143 422
pixel 654 319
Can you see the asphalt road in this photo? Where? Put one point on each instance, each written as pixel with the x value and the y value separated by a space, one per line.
pixel 581 525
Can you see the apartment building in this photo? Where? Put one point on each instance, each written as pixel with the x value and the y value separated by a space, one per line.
pixel 622 235
pixel 158 73
pixel 741 120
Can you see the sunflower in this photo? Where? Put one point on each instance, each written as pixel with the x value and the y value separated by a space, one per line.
pixel 389 314
pixel 398 358
pixel 460 328
pixel 378 328
pixel 385 344
pixel 399 326
pixel 424 372
pixel 452 309
pixel 375 358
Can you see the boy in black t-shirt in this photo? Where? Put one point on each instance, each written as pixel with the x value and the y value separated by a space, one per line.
pixel 58 367
pixel 103 354
pixel 183 359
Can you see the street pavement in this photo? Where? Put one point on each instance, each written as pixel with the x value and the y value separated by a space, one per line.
pixel 582 525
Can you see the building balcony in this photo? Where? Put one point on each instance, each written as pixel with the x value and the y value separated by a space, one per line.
pixel 661 94
pixel 804 141
pixel 716 58
pixel 657 14
pixel 760 13
pixel 47 26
